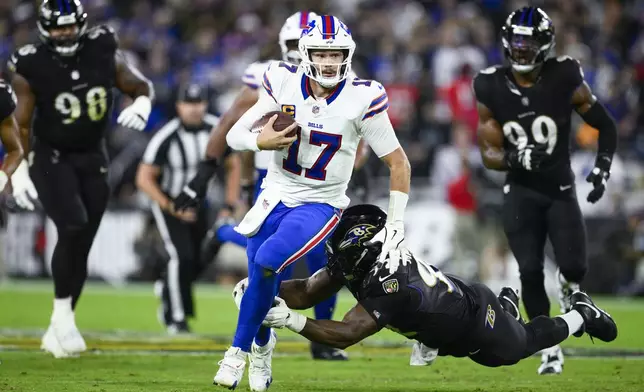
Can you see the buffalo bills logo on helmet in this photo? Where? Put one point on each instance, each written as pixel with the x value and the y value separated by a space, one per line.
pixel 357 236
pixel 307 30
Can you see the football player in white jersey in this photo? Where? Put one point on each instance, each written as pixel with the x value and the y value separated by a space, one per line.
pixel 288 40
pixel 304 191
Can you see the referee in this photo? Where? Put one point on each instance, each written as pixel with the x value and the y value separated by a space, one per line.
pixel 170 161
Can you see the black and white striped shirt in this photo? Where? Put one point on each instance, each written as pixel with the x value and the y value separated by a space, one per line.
pixel 178 152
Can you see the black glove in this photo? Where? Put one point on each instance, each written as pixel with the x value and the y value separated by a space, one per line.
pixel 598 177
pixel 529 158
pixel 192 193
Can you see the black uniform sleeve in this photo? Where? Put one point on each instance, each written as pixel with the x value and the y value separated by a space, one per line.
pixel 571 72
pixel 23 61
pixel 385 308
pixel 7 100
pixel 105 36
pixel 483 87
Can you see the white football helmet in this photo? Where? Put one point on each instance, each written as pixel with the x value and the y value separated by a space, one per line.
pixel 326 33
pixel 292 31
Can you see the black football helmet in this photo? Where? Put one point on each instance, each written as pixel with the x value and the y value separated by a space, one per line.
pixel 56 14
pixel 528 36
pixel 349 257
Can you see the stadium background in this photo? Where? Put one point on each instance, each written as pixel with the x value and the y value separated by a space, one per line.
pixel 425 53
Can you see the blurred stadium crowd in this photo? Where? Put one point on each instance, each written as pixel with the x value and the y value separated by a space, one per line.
pixel 424 52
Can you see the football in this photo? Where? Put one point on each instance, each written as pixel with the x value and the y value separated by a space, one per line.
pixel 283 120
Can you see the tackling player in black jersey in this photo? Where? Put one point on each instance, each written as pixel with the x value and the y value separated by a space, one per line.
pixel 524 129
pixel 418 301
pixel 64 84
pixel 11 142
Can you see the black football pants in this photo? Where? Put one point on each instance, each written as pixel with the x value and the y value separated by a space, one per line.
pixel 73 190
pixel 529 217
pixel 502 340
pixel 182 242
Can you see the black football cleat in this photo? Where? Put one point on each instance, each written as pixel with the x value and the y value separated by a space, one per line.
pixel 509 299
pixel 597 323
pixel 327 353
pixel 178 328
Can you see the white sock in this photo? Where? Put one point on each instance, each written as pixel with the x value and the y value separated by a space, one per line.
pixel 62 308
pixel 574 321
pixel 550 351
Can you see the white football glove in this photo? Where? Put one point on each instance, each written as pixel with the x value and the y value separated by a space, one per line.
pixel 391 236
pixel 281 316
pixel 136 115
pixel 239 290
pixel 24 191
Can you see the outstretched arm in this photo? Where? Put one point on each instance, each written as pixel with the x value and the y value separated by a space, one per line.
pixel 305 293
pixel 356 325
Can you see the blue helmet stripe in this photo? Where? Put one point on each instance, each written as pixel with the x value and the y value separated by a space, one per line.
pixel 530 17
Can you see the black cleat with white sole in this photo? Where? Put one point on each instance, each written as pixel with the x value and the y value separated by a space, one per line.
pixel 597 323
pixel 509 299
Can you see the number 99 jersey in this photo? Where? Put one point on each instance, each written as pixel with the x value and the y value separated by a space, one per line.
pixel 540 114
pixel 73 96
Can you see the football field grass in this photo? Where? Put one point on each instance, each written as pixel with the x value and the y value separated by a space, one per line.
pixel 128 351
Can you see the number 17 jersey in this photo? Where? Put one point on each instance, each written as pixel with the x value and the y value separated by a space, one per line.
pixel 73 95
pixel 318 165
pixel 540 114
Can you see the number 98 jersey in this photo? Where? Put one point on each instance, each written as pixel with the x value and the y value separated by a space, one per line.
pixel 535 115
pixel 73 96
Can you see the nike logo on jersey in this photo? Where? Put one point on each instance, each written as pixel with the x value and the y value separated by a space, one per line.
pixel 384 278
pixel 564 187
